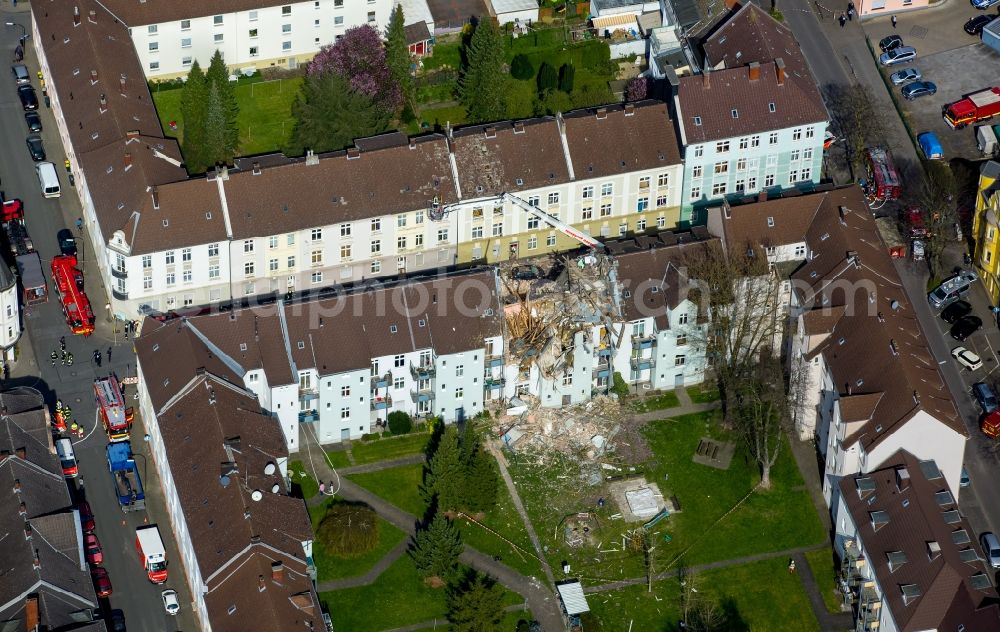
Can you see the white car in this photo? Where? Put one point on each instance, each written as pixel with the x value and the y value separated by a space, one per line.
pixel 170 603
pixel 967 358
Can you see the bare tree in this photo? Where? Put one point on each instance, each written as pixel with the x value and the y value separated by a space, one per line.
pixel 857 120
pixel 762 413
pixel 743 295
pixel 937 202
pixel 699 611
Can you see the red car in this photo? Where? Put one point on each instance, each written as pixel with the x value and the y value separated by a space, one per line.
pixel 101 581
pixel 86 517
pixel 92 547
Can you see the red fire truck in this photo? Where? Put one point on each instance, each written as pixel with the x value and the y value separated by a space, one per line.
pixel 68 280
pixel 883 183
pixel 117 419
pixel 978 106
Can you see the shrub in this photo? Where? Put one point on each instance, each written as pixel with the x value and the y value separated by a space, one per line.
pixel 566 76
pixel 620 387
pixel 521 68
pixel 399 422
pixel 371 436
pixel 636 89
pixel 548 79
pixel 348 530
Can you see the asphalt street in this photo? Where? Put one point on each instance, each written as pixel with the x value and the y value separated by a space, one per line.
pixel 44 325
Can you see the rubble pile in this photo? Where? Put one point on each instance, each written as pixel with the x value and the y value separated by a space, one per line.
pixel 583 431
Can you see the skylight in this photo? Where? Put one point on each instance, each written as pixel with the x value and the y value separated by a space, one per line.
pixel 944 498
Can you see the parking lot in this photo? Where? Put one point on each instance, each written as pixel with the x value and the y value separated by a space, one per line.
pixel 958 63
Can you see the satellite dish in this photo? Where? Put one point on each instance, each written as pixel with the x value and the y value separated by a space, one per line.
pixel 256 495
pixel 224 480
pixel 894 305
pixel 275 488
pixel 269 469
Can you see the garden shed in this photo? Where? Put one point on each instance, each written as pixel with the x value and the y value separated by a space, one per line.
pixel 523 11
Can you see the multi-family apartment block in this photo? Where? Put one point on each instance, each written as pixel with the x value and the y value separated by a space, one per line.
pixel 753 119
pixel 251 34
pixel 908 555
pixel 10 313
pixel 986 229
pixel 246 544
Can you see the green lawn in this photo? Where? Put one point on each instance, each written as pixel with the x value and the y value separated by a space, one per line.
pixel 398 485
pixel 780 518
pixel 397 598
pixel 388 448
pixel 303 484
pixel 822 565
pixel 265 119
pixel 703 393
pixel 659 401
pixel 338 458
pixel 758 596
pixel 331 566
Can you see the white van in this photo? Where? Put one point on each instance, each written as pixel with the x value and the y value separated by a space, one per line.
pixel 48 179
pixel 67 458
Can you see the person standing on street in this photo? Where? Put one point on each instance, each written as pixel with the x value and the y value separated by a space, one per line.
pixel 843 20
pixel 62 342
pixel 97 358
pixel 53 355
pixel 109 355
pixel 893 21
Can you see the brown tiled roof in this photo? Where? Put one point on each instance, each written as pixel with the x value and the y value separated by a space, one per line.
pixel 777 222
pixel 90 62
pixel 916 517
pixel 250 337
pixel 822 321
pixel 297 196
pixel 507 157
pixel 751 35
pixel 712 97
pixel 227 525
pixel 878 345
pixel 627 138
pixel 859 407
pixel 416 33
pixel 138 13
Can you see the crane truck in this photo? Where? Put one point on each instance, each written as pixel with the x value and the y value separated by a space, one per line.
pixel 128 484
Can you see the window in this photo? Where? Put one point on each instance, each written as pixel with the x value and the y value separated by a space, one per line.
pixel 316 234
pixel 186 276
pixel 721 168
pixel 345 230
pixel 793 176
pixel 147 284
pixel 154 46
pixel 317 277
pixel 290 239
pixel 218 38
pixel 699 151
pixel 286 46
pixel 152 29
pixel 550 241
pixel 661 221
pixel 376 267
pixel 741 164
pixel 286 28
pixel 719 188
pixel 744 142
pixel 186 254
pixel 272 265
pixel 185 61
pixel 185 25
pixel 147 261
pixel 741 185
pixel 606 210
pixel 253 16
pixel 213 271
pixel 291 262
pixel 345 413
pixel 376 246
pixel 622 229
pixel 640 225
pixel 663 180
pixel 218 18
pixel 171 278
pixel 253 33
pixel 695 193
pixel 722 147
pixel 497 230
pixel 401 220
pixel 679 360
pixel 810 132
pixel 532 222
pixel 553 198
pixel 588 192
pixel 338 20
pixel 338 4
pixel 376 225
pixel 418 240
pixel 769 180
pixel 642 204
pixel 185 42
pixel 345 251
pixel 477 232
pixel 442 234
pixel 682 340
pixel 696 171
pixel 771 108
pixel 316 257
pixel 587 212
pixel 697 121
pixel 254 51
pixel 807 154
pixel 772 160
pixel 755 141
pixel 644 182
pixel 401 243
pixel 459 393
pixel 399 361
pixel 532 242
pixel 371 17
pixel 272 241
pixel 248 268
pixel 794 155
pixel 772 138
pixel 797 133
pixel 248 245
pixel 418 217
pixel 286 10
pixel 806 174
pixel 169 257
pixel 607 189
pixel 800 250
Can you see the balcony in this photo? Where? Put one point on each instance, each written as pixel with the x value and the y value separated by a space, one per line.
pixel 640 364
pixel 119 273
pixel 381 381
pixel 381 403
pixel 421 395
pixel 121 296
pixel 643 341
pixel 602 369
pixel 494 360
pixel 604 352
pixel 307 416
pixel 493 382
pixel 423 370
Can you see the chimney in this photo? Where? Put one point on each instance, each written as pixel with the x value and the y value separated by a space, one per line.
pixel 131 135
pixel 779 70
pixel 311 158
pixel 155 193
pixel 902 479
pixel 261 586
pixel 222 172
pixel 32 621
pixel 629 109
pixel 128 161
pixel 27 530
pixel 92 16
pixel 706 79
pixel 21 453
pixel 519 127
pixel 754 71
pixel 22 509
pixel 76 16
pixel 93 77
pixel 490 132
pixel 353 153
pixel 256 168
pixel 121 85
pixel 762 196
pixel 35 562
pixel 104 102
pixel 602 113
pixel 17 486
pixel 277 572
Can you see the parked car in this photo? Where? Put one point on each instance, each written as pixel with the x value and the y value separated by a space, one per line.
pixel 967 358
pixel 965 327
pixel 35 148
pixel 952 289
pixel 897 55
pixel 991 548
pixel 116 622
pixel 21 74
pixel 984 4
pixel 29 100
pixel 86 517
pixel 67 243
pixel 101 581
pixel 906 75
pixel 918 89
pixel 975 25
pixel 170 603
pixel 34 121
pixel 985 396
pixel 956 310
pixel 93 550
pixel 67 458
pixel 890 42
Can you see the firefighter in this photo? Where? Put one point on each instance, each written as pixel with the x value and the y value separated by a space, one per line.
pixel 69 358
pixel 80 432
pixel 53 355
pixel 73 427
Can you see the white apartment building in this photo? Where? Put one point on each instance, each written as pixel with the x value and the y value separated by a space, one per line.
pixel 250 34
pixel 10 313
